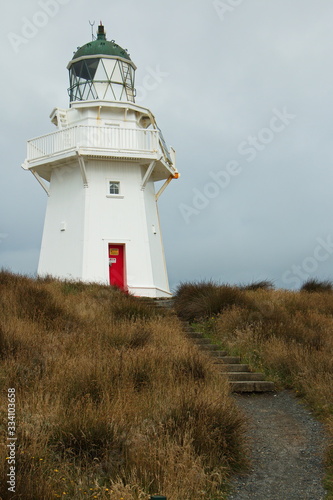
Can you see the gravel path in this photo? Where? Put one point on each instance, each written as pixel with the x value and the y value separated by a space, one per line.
pixel 286 446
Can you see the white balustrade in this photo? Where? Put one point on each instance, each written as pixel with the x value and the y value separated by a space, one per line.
pixel 109 139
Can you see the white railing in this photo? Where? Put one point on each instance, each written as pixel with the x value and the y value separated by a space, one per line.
pixel 110 139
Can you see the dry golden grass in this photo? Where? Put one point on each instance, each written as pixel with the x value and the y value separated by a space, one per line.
pixel 292 340
pixel 112 400
pixel 289 335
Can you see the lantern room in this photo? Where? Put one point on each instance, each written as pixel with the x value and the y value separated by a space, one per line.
pixel 101 70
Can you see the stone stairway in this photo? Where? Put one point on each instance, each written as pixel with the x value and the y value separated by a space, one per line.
pixel 240 376
pixel 241 379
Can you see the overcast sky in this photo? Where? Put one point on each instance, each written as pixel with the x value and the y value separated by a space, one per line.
pixel 243 90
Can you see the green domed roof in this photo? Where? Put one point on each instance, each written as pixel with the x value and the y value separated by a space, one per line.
pixel 101 46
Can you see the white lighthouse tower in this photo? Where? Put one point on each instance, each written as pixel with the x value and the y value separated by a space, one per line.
pixel 99 170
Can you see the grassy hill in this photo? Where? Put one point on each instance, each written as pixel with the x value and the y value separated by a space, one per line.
pixel 288 335
pixel 111 400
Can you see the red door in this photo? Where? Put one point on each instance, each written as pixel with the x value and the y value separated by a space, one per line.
pixel 117 266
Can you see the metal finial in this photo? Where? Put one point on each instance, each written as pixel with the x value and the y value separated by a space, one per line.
pixel 92 30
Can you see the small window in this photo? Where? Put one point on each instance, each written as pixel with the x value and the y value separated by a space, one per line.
pixel 114 187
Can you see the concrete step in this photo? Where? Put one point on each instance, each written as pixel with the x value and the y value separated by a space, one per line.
pixel 245 376
pixel 167 303
pixel 232 368
pixel 218 355
pixel 253 386
pixel 229 360
pixel 194 335
pixel 208 347
pixel 201 340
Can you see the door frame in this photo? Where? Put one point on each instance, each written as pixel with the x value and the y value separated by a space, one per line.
pixel 119 244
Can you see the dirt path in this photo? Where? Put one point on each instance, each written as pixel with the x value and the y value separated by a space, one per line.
pixel 286 447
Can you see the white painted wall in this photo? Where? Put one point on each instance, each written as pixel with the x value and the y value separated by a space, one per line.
pixel 61 253
pixel 155 238
pixel 80 223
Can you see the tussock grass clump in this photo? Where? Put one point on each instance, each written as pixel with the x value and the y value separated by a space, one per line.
pixel 315 285
pixel 112 400
pixel 259 285
pixel 205 299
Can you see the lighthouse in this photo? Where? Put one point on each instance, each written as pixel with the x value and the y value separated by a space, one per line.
pixel 99 170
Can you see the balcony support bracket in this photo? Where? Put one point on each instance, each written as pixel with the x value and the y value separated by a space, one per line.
pixel 41 182
pixel 148 174
pixel 165 185
pixel 82 168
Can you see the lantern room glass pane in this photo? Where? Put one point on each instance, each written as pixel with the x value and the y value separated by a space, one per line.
pixel 101 88
pixel 91 65
pixel 85 69
pixel 85 92
pixel 92 94
pixel 109 65
pixel 110 96
pixel 117 75
pixel 118 90
pixel 100 74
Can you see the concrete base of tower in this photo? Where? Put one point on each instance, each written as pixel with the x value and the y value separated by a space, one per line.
pixel 155 293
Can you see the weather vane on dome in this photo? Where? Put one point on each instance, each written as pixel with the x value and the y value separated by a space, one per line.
pixel 92 30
